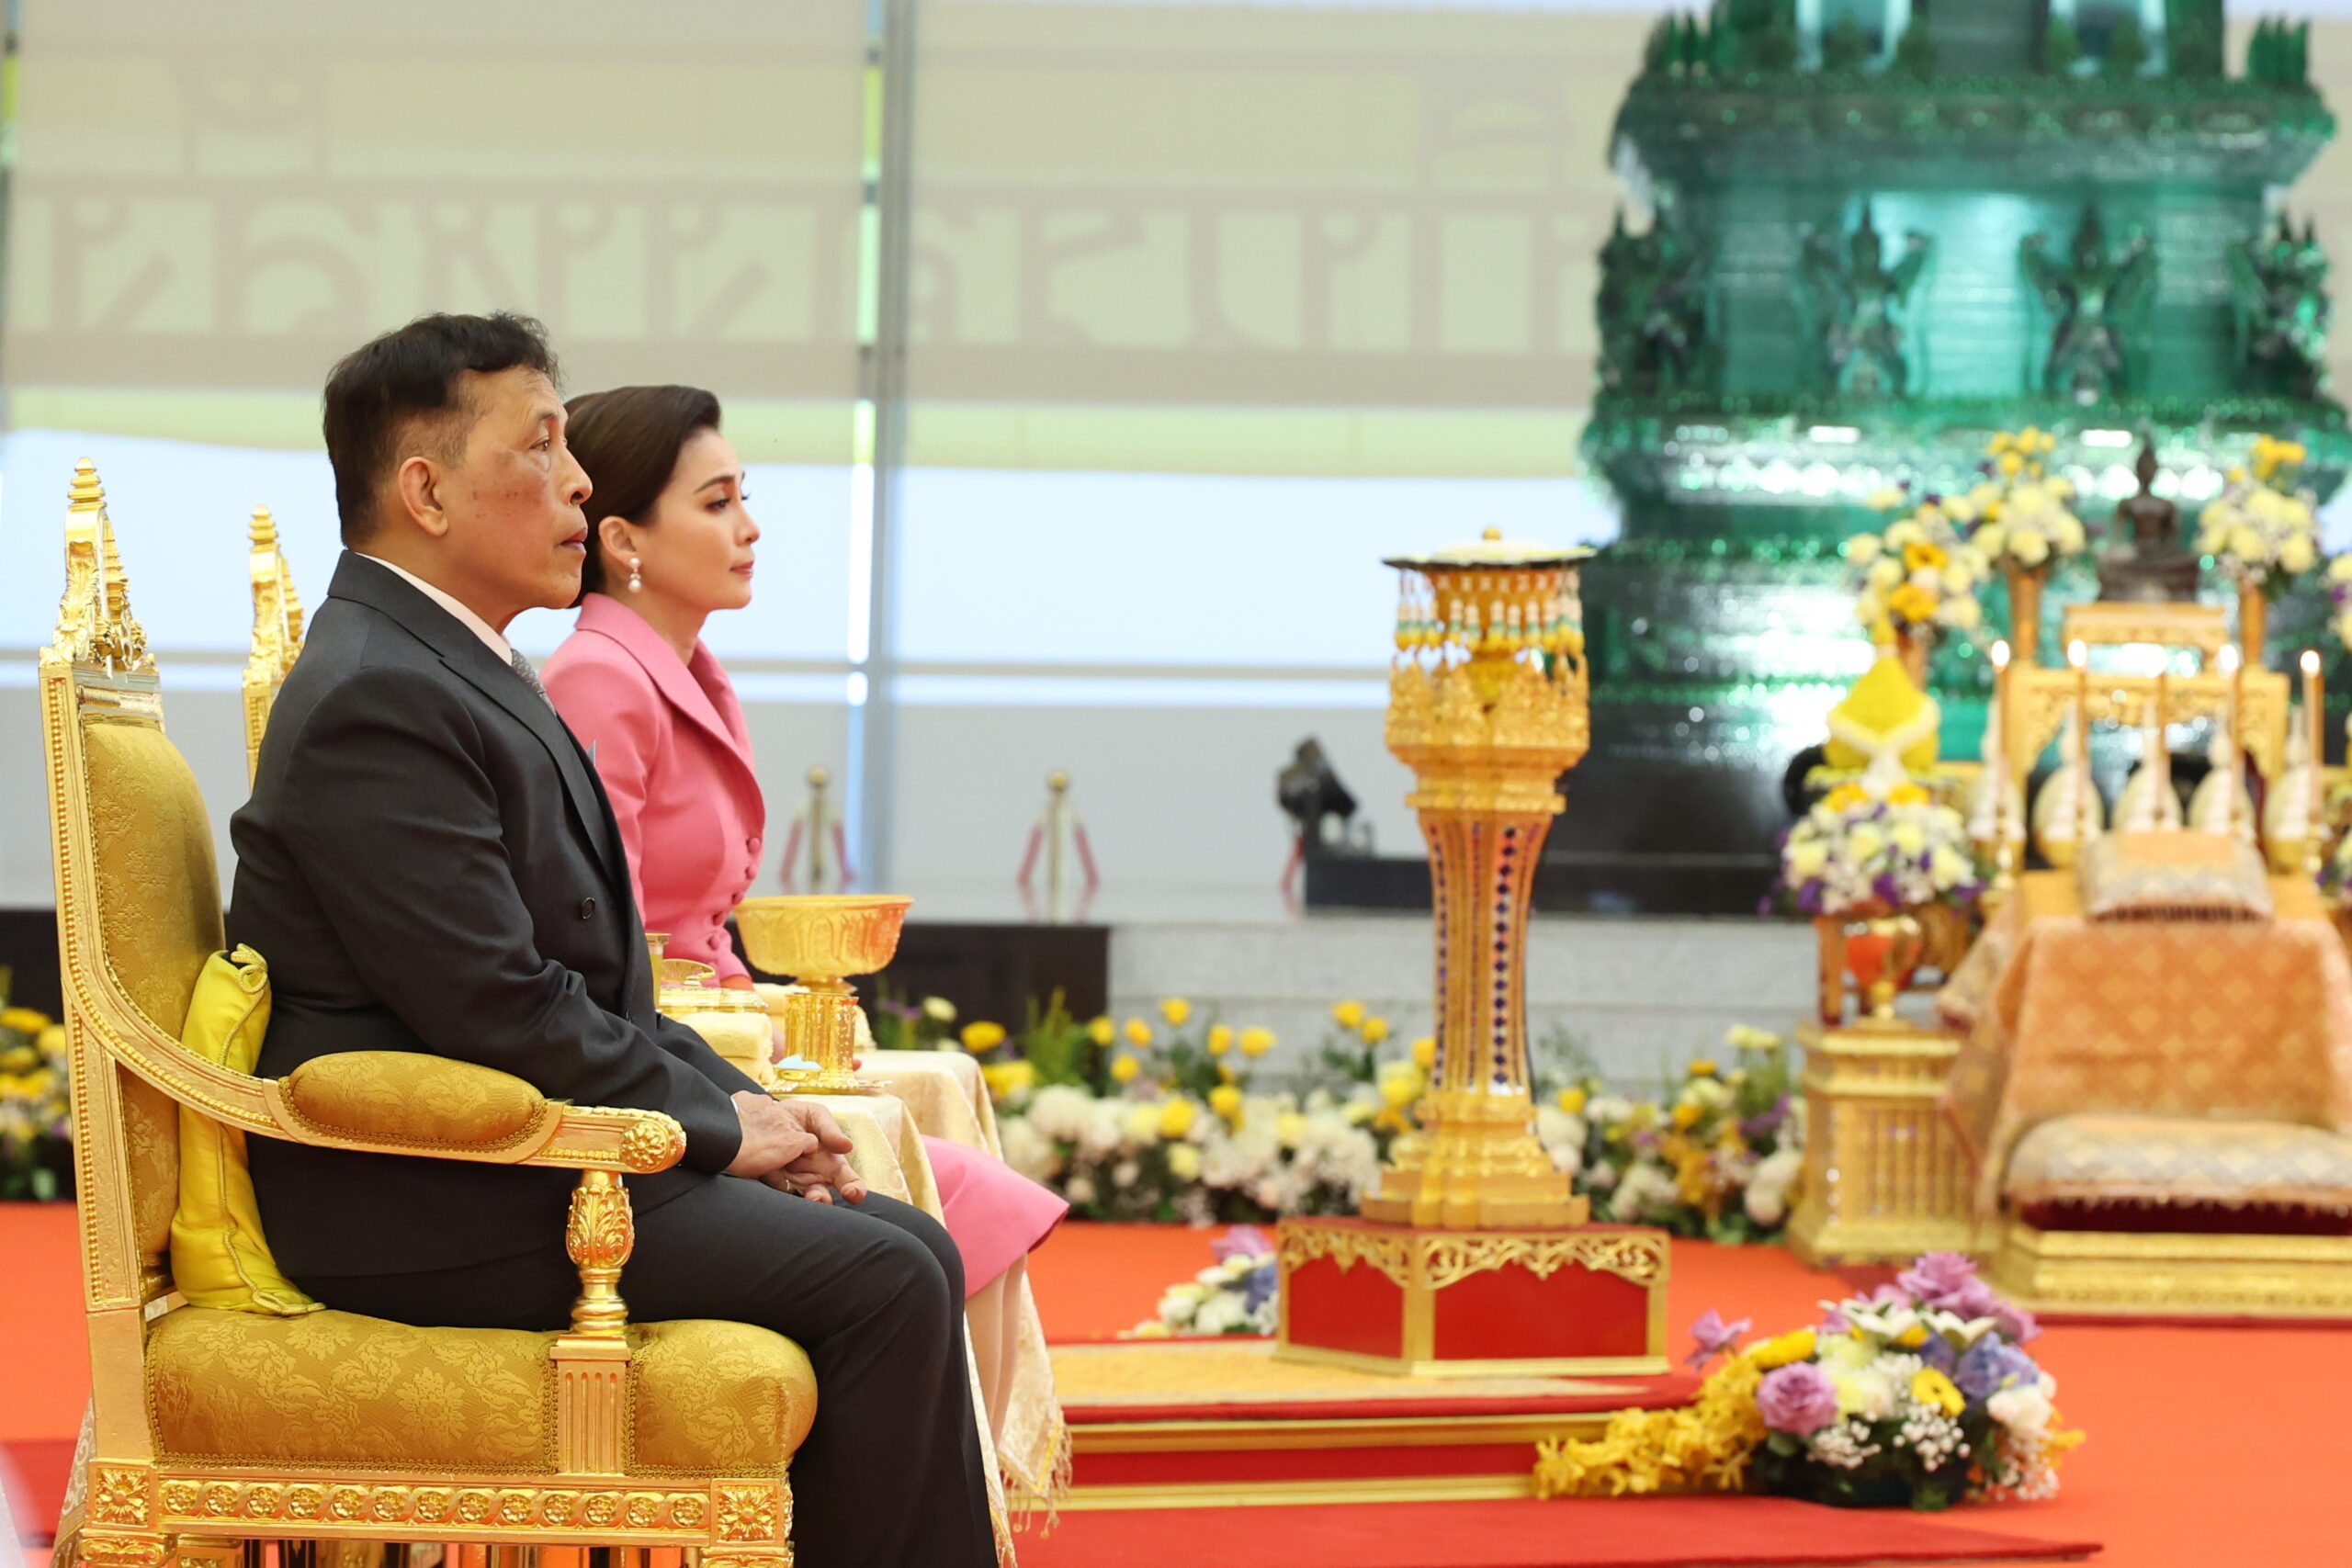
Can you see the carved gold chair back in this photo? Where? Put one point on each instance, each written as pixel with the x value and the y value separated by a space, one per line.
pixel 213 1430
pixel 278 629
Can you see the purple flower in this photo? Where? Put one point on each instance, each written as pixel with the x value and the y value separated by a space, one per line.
pixel 1242 1241
pixel 1761 1125
pixel 1833 1324
pixel 1939 1279
pixel 1714 1335
pixel 1258 1286
pixel 1991 1364
pixel 1937 1353
pixel 2017 1323
pixel 1798 1399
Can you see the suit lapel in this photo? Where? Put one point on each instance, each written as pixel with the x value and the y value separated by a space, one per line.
pixel 466 656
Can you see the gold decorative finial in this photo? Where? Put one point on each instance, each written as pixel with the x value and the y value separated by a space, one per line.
pixel 818 778
pixel 94 621
pixel 1057 781
pixel 86 494
pixel 264 530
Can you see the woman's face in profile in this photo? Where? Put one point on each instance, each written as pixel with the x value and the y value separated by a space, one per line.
pixel 698 548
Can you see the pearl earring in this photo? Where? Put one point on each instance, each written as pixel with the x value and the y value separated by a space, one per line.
pixel 636 577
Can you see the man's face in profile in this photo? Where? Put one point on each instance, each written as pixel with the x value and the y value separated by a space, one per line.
pixel 514 496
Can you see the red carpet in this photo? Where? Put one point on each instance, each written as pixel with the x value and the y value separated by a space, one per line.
pixel 2210 1447
pixel 1658 1532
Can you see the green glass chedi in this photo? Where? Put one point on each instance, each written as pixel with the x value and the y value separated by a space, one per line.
pixel 1873 233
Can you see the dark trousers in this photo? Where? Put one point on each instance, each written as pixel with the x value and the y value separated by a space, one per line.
pixel 890 1475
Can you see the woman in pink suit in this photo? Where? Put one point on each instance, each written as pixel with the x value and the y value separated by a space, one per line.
pixel 672 544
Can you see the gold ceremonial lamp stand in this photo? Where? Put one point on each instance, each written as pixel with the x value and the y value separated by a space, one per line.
pixel 1472 1257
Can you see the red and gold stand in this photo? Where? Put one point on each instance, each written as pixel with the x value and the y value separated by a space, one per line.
pixel 1472 1257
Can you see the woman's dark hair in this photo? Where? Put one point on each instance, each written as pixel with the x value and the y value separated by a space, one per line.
pixel 629 439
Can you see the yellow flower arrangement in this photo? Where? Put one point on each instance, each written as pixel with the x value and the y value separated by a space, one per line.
pixel 1797 1345
pixel 1931 1387
pixel 1705 1446
pixel 2263 530
pixel 1176 1010
pixel 1425 1052
pixel 1176 1117
pixel 1102 1031
pixel 1572 1100
pixel 1373 1031
pixel 1008 1080
pixel 1124 1067
pixel 1348 1015
pixel 1257 1042
pixel 980 1036
pixel 1220 1039
pixel 24 1020
pixel 1225 1100
pixel 1138 1033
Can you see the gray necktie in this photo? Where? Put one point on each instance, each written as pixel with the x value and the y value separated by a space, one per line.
pixel 530 677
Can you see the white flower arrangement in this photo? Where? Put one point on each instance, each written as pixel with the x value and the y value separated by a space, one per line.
pixel 2262 533
pixel 1856 850
pixel 1919 574
pixel 1236 1294
pixel 2018 513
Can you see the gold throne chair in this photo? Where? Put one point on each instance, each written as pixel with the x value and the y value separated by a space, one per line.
pixel 215 1431
pixel 930 1093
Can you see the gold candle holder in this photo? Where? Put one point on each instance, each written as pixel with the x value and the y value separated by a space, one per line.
pixel 821 940
pixel 1488 707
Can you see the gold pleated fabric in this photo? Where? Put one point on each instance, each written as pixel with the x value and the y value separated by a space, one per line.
pixel 2243 1019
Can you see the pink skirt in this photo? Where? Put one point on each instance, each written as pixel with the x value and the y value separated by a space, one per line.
pixel 995 1213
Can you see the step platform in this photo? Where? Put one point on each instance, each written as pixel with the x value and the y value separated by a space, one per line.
pixel 1216 1422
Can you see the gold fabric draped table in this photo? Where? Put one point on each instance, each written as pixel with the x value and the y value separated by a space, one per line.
pixel 944 1096
pixel 2244 1019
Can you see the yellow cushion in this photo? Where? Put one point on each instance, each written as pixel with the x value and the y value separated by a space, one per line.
pixel 406 1097
pixel 705 1398
pixel 219 1257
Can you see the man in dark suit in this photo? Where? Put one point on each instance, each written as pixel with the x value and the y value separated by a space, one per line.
pixel 429 864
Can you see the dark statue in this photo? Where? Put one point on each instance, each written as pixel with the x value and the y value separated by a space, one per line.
pixel 1859 297
pixel 1652 309
pixel 2154 567
pixel 2279 287
pixel 2091 293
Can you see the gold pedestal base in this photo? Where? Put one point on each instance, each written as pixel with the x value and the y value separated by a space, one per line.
pixel 1885 1177
pixel 1479 1166
pixel 2157 1274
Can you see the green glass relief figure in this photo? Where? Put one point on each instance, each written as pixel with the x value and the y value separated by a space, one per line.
pixel 2278 286
pixel 1859 298
pixel 2091 295
pixel 1652 309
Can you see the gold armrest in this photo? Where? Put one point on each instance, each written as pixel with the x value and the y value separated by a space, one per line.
pixel 408 1103
pixel 572 1136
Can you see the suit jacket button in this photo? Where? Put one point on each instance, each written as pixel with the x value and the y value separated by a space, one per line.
pixel 587 908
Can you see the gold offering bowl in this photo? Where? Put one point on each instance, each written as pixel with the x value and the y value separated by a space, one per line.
pixel 820 939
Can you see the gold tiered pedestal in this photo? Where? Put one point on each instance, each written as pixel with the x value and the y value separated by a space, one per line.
pixel 821 939
pixel 1468 1259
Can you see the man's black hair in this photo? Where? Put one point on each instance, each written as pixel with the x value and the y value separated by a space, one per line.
pixel 408 376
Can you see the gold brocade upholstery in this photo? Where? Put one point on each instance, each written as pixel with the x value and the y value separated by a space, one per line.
pixel 400 1096
pixel 337 1389
pixel 160 909
pixel 2250 1019
pixel 2157 1159
pixel 159 900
